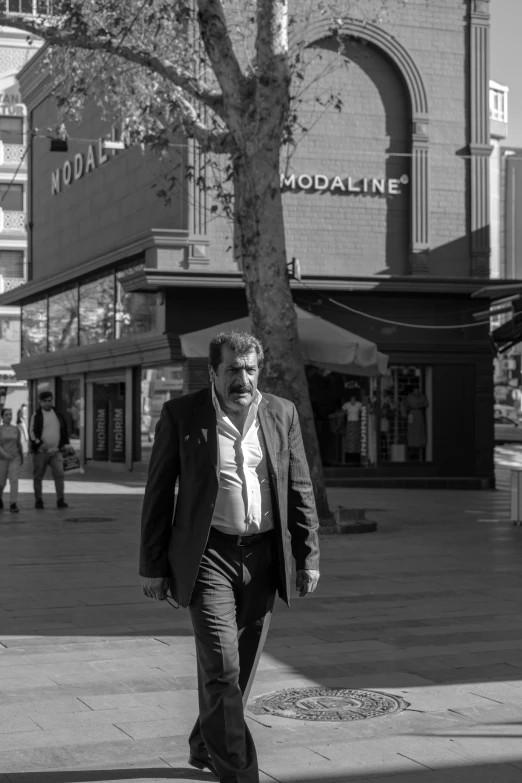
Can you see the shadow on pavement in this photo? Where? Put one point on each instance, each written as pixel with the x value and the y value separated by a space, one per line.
pixel 447 773
pixel 132 773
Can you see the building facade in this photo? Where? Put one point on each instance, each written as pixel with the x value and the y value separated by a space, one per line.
pixel 15 51
pixel 386 209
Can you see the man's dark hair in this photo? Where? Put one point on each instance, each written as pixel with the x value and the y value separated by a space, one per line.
pixel 239 342
pixel 45 395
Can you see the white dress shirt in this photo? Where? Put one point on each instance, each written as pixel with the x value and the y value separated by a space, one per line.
pixel 244 504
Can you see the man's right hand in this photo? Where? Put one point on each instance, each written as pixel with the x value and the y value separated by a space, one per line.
pixel 155 587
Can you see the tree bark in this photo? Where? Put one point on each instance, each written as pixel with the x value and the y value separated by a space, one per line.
pixel 259 241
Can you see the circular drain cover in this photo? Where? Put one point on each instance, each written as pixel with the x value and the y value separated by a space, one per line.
pixel 328 704
pixel 89 519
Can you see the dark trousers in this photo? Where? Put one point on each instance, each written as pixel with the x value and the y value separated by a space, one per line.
pixel 230 608
pixel 41 460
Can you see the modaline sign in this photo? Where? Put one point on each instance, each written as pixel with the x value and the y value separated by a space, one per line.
pixel 373 186
pixel 75 168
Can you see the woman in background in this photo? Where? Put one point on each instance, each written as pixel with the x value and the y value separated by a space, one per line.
pixel 23 425
pixel 11 458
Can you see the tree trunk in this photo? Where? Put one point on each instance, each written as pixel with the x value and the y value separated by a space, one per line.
pixel 259 241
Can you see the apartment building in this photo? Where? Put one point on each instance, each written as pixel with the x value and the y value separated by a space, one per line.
pixel 15 52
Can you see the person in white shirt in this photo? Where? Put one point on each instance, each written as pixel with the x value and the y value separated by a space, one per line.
pixel 245 509
pixel 49 441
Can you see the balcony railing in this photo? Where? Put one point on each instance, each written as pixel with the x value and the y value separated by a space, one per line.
pixel 10 283
pixel 12 153
pixel 12 220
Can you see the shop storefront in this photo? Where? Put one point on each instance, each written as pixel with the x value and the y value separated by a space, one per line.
pixel 373 422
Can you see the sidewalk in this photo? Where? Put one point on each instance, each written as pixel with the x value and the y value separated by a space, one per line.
pixel 98 683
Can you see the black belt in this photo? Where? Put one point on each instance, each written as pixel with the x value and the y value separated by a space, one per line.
pixel 247 540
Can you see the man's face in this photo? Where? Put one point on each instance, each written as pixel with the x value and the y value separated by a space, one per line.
pixel 47 403
pixel 235 380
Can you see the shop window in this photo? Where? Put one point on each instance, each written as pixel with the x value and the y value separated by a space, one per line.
pixel 12 264
pixel 498 104
pixel 108 422
pixel 20 6
pixel 63 320
pixel 71 405
pixel 158 385
pixel 12 197
pixel 135 312
pixel 97 310
pixel 405 415
pixel 12 130
pixel 34 328
pixel 42 385
pixel 367 422
pixel 27 7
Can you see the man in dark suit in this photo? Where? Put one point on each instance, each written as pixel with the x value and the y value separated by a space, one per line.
pixel 245 507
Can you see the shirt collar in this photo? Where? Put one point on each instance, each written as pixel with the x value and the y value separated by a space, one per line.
pixel 255 402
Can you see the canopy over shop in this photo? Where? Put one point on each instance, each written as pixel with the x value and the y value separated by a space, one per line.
pixel 323 345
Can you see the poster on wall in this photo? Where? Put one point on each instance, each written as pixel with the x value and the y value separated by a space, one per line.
pixel 100 446
pixel 117 431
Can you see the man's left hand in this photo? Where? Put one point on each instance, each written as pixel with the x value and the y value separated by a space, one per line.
pixel 306 581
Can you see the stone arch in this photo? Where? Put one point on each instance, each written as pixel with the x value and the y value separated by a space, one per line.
pixel 399 56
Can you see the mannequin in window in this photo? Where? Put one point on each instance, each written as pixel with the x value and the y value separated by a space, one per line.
pixel 387 422
pixel 352 437
pixel 337 428
pixel 416 404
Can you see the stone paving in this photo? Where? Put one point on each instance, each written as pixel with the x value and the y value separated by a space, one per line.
pixel 98 683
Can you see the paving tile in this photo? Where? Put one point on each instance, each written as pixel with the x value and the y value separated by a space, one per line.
pixel 179 725
pixel 100 717
pixel 16 723
pixel 37 760
pixel 132 751
pixel 60 737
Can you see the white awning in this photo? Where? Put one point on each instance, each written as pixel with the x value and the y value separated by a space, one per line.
pixel 323 344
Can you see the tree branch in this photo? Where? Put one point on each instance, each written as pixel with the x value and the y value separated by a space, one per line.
pixel 272 32
pixel 75 40
pixel 220 51
pixel 273 72
pixel 211 140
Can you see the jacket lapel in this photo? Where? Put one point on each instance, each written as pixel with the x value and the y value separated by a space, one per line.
pixel 205 423
pixel 268 428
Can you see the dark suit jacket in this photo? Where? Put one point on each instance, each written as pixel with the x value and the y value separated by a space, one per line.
pixel 186 447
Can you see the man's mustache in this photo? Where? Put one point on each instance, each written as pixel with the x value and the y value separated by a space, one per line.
pixel 240 389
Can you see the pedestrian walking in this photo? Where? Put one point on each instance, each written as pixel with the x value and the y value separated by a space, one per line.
pixel 23 425
pixel 245 506
pixel 49 441
pixel 11 459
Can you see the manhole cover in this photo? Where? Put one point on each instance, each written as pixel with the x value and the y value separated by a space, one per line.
pixel 328 704
pixel 89 519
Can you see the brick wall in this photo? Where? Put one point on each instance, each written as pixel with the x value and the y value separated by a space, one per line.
pixel 114 202
pixel 363 235
pixel 343 233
